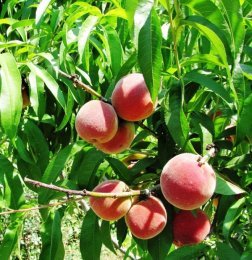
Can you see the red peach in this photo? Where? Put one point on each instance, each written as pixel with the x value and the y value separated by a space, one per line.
pixel 190 228
pixel 121 141
pixel 185 183
pixel 96 121
pixel 110 209
pixel 131 98
pixel 147 218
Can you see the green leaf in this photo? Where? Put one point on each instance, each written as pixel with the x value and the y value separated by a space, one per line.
pixel 85 31
pixel 90 237
pixel 120 169
pixel 13 192
pixel 37 95
pixel 106 236
pixel 224 251
pixel 37 144
pixel 85 166
pixel 246 70
pixel 187 252
pixel 244 122
pixel 142 13
pixel 41 9
pixel 232 216
pixel 234 17
pixel 55 167
pixel 160 245
pixel 50 83
pixel 115 51
pixel 10 95
pixel 176 120
pixel 121 231
pixel 11 236
pixel 202 58
pixel 211 32
pixel 149 53
pixel 52 243
pixel 225 187
pixel 212 85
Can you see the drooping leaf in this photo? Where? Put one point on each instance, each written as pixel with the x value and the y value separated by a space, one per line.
pixel 225 187
pixel 10 95
pixel 224 251
pixel 176 121
pixel 244 122
pixel 41 9
pixel 106 236
pixel 52 243
pixel 149 53
pixel 50 82
pixel 90 237
pixel 187 252
pixel 232 216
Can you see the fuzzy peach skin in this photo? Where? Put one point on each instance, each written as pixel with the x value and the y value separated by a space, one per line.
pixel 121 141
pixel 190 227
pixel 131 98
pixel 185 184
pixel 147 218
pixel 110 209
pixel 96 121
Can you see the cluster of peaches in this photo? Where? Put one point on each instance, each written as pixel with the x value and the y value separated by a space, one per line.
pixel 187 182
pixel 110 127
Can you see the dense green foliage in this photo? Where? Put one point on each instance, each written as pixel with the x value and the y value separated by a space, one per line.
pixel 196 57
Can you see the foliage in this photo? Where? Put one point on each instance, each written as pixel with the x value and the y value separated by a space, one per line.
pixel 196 57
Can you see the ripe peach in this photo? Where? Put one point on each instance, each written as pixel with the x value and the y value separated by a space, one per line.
pixel 121 141
pixel 110 209
pixel 147 218
pixel 131 98
pixel 190 228
pixel 185 183
pixel 96 121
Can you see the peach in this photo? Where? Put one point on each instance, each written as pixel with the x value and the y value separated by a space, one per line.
pixel 190 228
pixel 185 183
pixel 110 209
pixel 131 98
pixel 146 218
pixel 121 141
pixel 96 121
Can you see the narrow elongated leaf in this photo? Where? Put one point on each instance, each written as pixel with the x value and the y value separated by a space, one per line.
pixel 244 123
pixel 159 246
pixel 232 216
pixel 211 32
pixel 187 252
pixel 41 9
pixel 176 121
pixel 37 94
pixel 142 13
pixel 11 236
pixel 50 83
pixel 38 144
pixel 149 53
pixel 84 33
pixel 55 167
pixel 52 244
pixel 90 237
pixel 10 95
pixel 233 14
pixel 106 236
pixel 115 49
pixel 225 187
pixel 130 8
pixel 212 85
pixel 224 251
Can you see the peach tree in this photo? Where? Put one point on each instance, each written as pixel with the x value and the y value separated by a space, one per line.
pixel 137 115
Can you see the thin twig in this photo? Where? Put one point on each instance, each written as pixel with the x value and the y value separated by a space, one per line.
pixel 40 207
pixel 85 192
pixel 212 150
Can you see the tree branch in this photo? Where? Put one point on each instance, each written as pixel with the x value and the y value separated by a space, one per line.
pixel 85 192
